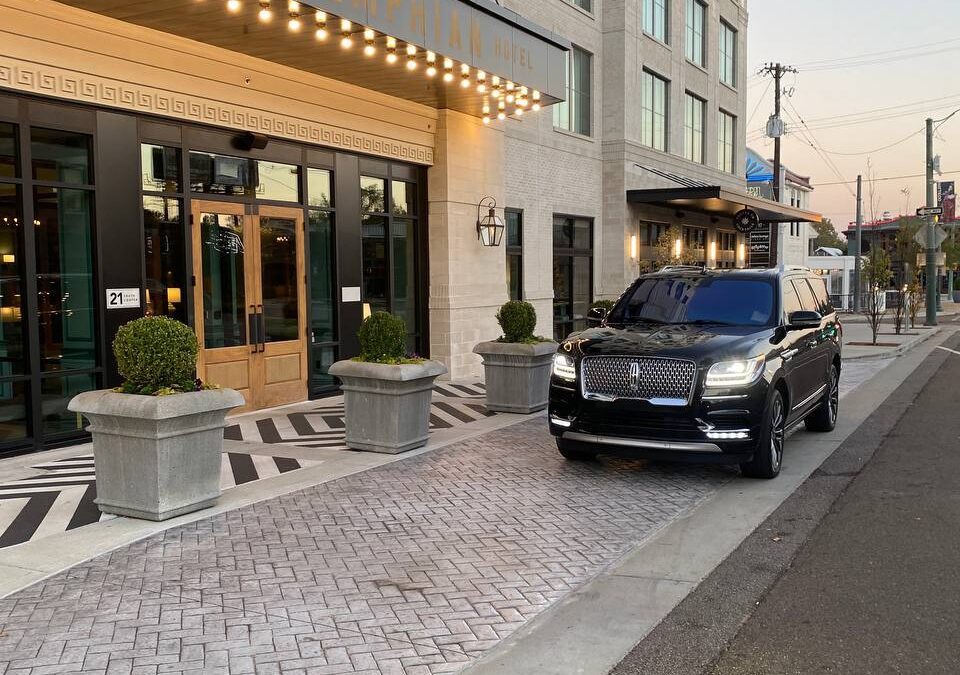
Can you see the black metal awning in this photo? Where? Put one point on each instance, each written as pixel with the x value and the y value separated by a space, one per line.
pixel 714 200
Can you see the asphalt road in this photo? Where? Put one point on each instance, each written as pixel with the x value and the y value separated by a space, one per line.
pixel 876 589
pixel 857 572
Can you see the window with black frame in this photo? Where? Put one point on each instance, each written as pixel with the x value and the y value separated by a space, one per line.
pixel 514 224
pixel 389 222
pixel 321 239
pixel 572 273
pixel 164 245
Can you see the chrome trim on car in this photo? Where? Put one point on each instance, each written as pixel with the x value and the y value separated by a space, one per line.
pixel 658 401
pixel 727 397
pixel 679 446
pixel 809 398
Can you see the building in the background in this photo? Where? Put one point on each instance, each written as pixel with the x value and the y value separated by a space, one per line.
pixel 882 233
pixel 837 270
pixel 793 240
pixel 271 171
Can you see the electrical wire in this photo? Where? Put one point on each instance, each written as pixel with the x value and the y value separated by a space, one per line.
pixel 815 144
pixel 884 178
pixel 759 102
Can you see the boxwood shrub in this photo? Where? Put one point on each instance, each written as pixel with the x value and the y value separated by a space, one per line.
pixel 156 355
pixel 383 339
pixel 518 320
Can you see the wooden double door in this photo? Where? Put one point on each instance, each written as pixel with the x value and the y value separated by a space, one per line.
pixel 250 300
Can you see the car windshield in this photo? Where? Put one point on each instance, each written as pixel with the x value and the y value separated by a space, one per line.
pixel 701 300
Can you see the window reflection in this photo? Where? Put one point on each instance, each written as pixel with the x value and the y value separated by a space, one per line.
pixel 278 273
pixel 160 168
pixel 60 156
pixel 65 302
pixel 8 150
pixel 319 191
pixel 404 198
pixel 164 257
pixel 243 177
pixel 374 245
pixel 372 195
pixel 12 353
pixel 224 290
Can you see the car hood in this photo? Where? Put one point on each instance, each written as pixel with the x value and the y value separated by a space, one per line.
pixel 699 343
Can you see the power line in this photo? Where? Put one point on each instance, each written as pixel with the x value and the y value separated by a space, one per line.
pixel 857 57
pixel 912 175
pixel 759 102
pixel 815 144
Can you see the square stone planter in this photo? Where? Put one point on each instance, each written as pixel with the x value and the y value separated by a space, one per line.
pixel 387 408
pixel 517 376
pixel 156 456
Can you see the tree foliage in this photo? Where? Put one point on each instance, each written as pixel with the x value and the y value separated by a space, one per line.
pixel 665 250
pixel 877 273
pixel 827 236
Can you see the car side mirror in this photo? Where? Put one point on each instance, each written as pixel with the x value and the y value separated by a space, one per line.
pixel 804 319
pixel 596 315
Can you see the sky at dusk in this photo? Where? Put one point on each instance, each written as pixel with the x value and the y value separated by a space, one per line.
pixel 863 60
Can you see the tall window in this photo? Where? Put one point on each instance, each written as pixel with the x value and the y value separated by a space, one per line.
pixel 655 18
pixel 693 128
pixel 696 20
pixel 321 216
pixel 163 235
pixel 514 222
pixel 726 128
pixel 728 54
pixel 572 273
pixel 574 113
pixel 653 113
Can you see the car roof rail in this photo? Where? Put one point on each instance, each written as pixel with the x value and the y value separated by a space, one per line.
pixel 794 268
pixel 684 268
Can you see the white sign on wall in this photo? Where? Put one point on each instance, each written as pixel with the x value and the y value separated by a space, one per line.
pixel 123 298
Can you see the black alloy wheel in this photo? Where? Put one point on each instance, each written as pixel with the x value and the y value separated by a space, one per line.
pixel 768 457
pixel 824 417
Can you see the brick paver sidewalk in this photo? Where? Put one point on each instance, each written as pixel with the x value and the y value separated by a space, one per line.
pixel 417 567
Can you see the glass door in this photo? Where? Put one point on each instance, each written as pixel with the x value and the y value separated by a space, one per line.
pixel 250 301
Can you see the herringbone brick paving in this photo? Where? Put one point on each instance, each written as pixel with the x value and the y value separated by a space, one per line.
pixel 415 567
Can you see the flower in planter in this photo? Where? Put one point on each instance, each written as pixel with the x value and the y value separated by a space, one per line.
pixel 157 356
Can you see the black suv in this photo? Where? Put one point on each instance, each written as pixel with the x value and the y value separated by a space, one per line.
pixel 704 365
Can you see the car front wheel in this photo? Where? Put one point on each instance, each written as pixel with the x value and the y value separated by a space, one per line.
pixel 768 456
pixel 575 454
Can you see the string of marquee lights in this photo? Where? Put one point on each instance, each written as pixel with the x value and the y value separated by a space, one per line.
pixel 496 92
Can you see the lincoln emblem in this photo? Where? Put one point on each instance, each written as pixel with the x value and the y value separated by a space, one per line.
pixel 635 376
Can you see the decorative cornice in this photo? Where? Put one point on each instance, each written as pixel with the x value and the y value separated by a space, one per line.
pixel 60 83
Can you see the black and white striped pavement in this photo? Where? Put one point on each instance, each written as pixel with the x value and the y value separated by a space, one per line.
pixel 61 497
pixel 320 424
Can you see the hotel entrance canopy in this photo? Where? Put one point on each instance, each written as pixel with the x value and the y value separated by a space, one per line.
pixel 472 56
pixel 715 200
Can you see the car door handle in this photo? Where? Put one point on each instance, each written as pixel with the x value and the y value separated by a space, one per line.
pixel 789 354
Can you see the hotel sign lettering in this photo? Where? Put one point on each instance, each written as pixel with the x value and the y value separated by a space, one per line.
pixel 465 33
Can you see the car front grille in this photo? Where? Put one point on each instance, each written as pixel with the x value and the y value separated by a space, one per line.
pixel 657 380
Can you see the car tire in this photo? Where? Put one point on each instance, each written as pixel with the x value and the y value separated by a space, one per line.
pixel 824 418
pixel 768 457
pixel 575 454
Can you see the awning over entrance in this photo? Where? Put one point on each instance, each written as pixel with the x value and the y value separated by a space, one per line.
pixel 467 55
pixel 715 200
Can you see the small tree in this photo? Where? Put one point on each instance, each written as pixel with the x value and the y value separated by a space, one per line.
pixel 876 271
pixel 915 297
pixel 665 251
pixel 900 311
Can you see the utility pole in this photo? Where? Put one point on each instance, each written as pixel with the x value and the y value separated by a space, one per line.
pixel 857 247
pixel 775 127
pixel 933 292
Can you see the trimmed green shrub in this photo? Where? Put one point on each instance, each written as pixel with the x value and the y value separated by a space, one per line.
pixel 156 354
pixel 518 320
pixel 383 339
pixel 605 304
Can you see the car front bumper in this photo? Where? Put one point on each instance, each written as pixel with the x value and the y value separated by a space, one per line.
pixel 720 426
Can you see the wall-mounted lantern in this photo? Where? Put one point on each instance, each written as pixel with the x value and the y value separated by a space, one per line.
pixel 634 252
pixel 489 227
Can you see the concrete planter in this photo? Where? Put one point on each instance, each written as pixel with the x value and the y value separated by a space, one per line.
pixel 517 375
pixel 156 456
pixel 387 407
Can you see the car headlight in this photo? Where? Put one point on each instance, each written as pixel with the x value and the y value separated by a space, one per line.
pixel 564 367
pixel 735 373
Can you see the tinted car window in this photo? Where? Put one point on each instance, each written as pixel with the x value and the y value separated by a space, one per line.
pixel 819 286
pixel 807 301
pixel 736 302
pixel 791 303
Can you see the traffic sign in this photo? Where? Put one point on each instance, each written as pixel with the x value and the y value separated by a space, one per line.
pixel 939 234
pixel 925 211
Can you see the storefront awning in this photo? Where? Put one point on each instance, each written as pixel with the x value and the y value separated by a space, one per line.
pixel 467 55
pixel 715 200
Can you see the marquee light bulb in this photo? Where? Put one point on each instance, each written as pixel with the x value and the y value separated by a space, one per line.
pixel 321 32
pixel 464 75
pixel 265 14
pixel 391 50
pixel 447 70
pixel 293 9
pixel 234 6
pixel 368 37
pixel 346 41
pixel 411 57
pixel 431 64
pixel 486 119
pixel 501 115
